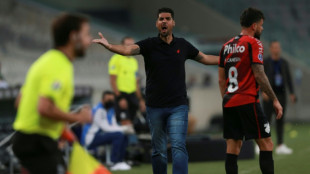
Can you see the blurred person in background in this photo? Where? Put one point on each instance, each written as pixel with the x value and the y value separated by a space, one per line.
pixel 45 98
pixel 3 83
pixel 104 130
pixel 278 72
pixel 166 96
pixel 124 81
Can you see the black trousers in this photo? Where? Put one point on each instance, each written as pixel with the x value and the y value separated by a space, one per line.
pixel 133 106
pixel 269 111
pixel 38 154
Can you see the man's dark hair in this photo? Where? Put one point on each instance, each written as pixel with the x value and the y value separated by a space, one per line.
pixel 272 42
pixel 104 93
pixel 250 16
pixel 63 25
pixel 125 38
pixel 165 10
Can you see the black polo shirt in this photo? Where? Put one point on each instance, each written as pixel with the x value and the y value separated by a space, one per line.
pixel 165 70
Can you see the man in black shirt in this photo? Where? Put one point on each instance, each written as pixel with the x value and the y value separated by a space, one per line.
pixel 278 73
pixel 166 97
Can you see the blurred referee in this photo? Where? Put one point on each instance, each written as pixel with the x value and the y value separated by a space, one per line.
pixel 46 96
pixel 166 98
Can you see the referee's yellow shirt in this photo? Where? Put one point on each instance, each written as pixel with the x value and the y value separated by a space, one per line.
pixel 50 76
pixel 126 69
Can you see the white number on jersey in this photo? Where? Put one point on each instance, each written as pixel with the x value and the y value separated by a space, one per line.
pixel 233 82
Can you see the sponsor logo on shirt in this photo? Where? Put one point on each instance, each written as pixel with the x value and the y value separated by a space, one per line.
pixel 234 49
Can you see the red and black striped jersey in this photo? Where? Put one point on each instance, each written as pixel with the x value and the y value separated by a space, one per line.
pixel 236 57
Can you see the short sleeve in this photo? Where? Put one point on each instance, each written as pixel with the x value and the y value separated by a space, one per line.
pixel 192 51
pixel 222 58
pixel 52 87
pixel 113 67
pixel 144 46
pixel 256 51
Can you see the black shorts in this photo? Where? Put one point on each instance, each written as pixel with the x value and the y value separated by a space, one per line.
pixel 38 154
pixel 245 122
pixel 133 106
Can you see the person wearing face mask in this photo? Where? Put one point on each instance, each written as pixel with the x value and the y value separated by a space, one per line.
pixel 104 130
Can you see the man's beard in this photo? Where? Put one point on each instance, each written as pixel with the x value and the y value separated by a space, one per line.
pixel 257 35
pixel 79 52
pixel 164 34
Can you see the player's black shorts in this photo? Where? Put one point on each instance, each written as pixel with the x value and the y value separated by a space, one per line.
pixel 245 122
pixel 38 154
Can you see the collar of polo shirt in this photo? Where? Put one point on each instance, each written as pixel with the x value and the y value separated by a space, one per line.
pixel 163 42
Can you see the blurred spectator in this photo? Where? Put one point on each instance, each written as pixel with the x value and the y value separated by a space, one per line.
pixel 278 73
pixel 191 120
pixel 3 83
pixel 123 72
pixel 104 130
pixel 191 82
pixel 207 80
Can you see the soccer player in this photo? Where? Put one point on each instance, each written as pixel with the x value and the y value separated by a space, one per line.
pixel 123 72
pixel 166 98
pixel 241 73
pixel 46 97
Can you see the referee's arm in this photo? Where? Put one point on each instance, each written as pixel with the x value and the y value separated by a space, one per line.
pixel 47 108
pixel 207 59
pixel 126 50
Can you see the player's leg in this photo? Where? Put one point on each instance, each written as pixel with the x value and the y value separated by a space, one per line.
pixel 256 126
pixel 157 119
pixel 232 153
pixel 265 155
pixel 177 129
pixel 233 133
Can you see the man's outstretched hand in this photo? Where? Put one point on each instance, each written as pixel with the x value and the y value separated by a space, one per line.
pixel 102 41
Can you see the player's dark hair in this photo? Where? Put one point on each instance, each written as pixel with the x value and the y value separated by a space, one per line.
pixel 250 16
pixel 165 10
pixel 105 93
pixel 63 25
pixel 125 38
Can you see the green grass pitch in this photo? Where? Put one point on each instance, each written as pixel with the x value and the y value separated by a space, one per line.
pixel 297 136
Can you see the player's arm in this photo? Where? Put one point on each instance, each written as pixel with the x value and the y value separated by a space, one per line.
pixel 262 80
pixel 222 80
pixel 207 59
pixel 47 108
pixel 126 50
pixel 113 84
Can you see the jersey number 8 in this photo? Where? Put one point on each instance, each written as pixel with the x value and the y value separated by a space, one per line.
pixel 233 81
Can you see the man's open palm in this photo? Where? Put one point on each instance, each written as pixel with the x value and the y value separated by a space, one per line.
pixel 103 41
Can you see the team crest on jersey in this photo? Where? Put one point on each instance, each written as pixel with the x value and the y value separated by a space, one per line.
pixel 56 85
pixel 260 57
pixel 267 128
